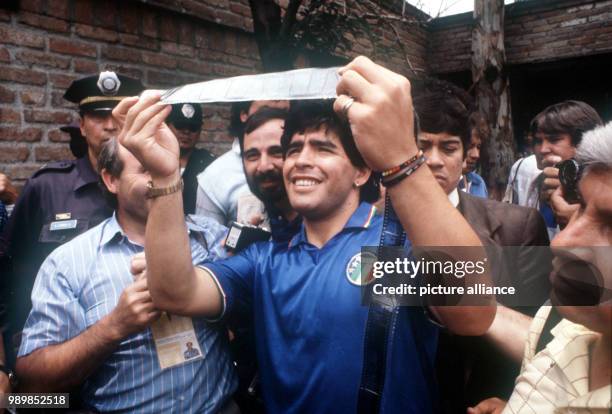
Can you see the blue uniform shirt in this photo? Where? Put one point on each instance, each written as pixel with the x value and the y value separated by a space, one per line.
pixel 310 324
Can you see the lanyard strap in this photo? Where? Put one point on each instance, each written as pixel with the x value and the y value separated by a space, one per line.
pixel 379 322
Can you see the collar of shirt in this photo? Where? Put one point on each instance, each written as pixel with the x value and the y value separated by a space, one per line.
pixel 361 219
pixel 453 197
pixel 85 173
pixel 236 146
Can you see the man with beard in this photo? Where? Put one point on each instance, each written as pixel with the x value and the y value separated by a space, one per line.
pixel 262 158
pixel 223 193
pixel 567 364
pixel 185 122
pixel 63 198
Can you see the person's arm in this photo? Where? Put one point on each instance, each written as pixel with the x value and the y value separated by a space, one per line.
pixel 190 290
pixel 47 366
pixel 381 120
pixel 508 332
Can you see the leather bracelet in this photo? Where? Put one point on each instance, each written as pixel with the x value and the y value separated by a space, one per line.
pixel 405 173
pixel 153 192
pixel 400 167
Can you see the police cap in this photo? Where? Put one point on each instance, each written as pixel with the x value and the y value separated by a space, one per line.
pixel 102 92
pixel 186 116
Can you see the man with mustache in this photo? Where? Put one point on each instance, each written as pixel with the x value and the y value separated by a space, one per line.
pixel 567 362
pixel 262 158
pixel 62 199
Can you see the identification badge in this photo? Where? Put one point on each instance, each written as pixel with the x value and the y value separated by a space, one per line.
pixel 175 341
pixel 63 216
pixel 63 225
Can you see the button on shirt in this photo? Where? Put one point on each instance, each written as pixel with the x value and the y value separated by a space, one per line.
pixel 80 283
pixel 310 324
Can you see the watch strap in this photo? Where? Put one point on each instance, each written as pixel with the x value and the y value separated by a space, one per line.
pixel 153 192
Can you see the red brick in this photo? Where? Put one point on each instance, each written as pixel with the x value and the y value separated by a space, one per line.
pixel 21 38
pixel 85 66
pixel 47 116
pixel 33 97
pixel 71 47
pixel 5 56
pixel 13 154
pixel 157 79
pixel 130 71
pixel 149 24
pixel 129 18
pixel 98 33
pixel 6 95
pixel 15 134
pixel 158 59
pixel 186 33
pixel 56 135
pixel 195 66
pixel 32 5
pixel 195 8
pixel 169 28
pixel 83 11
pixel 44 22
pixel 21 171
pixel 61 81
pixel 140 41
pixel 52 153
pixel 121 54
pixel 240 9
pixel 31 57
pixel 9 116
pixel 58 101
pixel 176 49
pixel 58 8
pixel 106 13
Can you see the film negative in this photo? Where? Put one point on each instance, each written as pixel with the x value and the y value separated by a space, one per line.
pixel 312 83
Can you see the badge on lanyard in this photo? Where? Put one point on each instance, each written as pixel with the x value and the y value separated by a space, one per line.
pixel 358 264
pixel 175 340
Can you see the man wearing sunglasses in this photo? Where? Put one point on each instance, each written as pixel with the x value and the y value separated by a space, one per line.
pixel 185 121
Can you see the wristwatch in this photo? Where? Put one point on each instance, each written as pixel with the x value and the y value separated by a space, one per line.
pixel 153 192
pixel 10 374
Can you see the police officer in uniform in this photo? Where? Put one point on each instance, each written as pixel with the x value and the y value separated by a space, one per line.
pixel 185 121
pixel 62 199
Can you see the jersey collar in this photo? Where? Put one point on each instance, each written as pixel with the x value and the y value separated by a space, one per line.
pixel 360 219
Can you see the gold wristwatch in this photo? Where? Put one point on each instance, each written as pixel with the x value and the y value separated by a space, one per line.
pixel 153 192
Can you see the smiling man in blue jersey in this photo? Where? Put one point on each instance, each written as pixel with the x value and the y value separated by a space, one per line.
pixel 93 325
pixel 309 321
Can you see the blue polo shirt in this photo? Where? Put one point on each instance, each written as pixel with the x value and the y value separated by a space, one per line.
pixel 310 324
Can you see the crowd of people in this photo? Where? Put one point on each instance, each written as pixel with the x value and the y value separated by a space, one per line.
pixel 120 287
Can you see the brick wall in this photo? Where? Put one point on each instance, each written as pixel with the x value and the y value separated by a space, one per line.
pixel 535 31
pixel 48 43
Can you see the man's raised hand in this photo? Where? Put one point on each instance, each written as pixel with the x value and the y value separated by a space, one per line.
pixel 381 117
pixel 144 134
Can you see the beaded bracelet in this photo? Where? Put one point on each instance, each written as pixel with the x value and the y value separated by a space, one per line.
pixel 405 173
pixel 403 165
